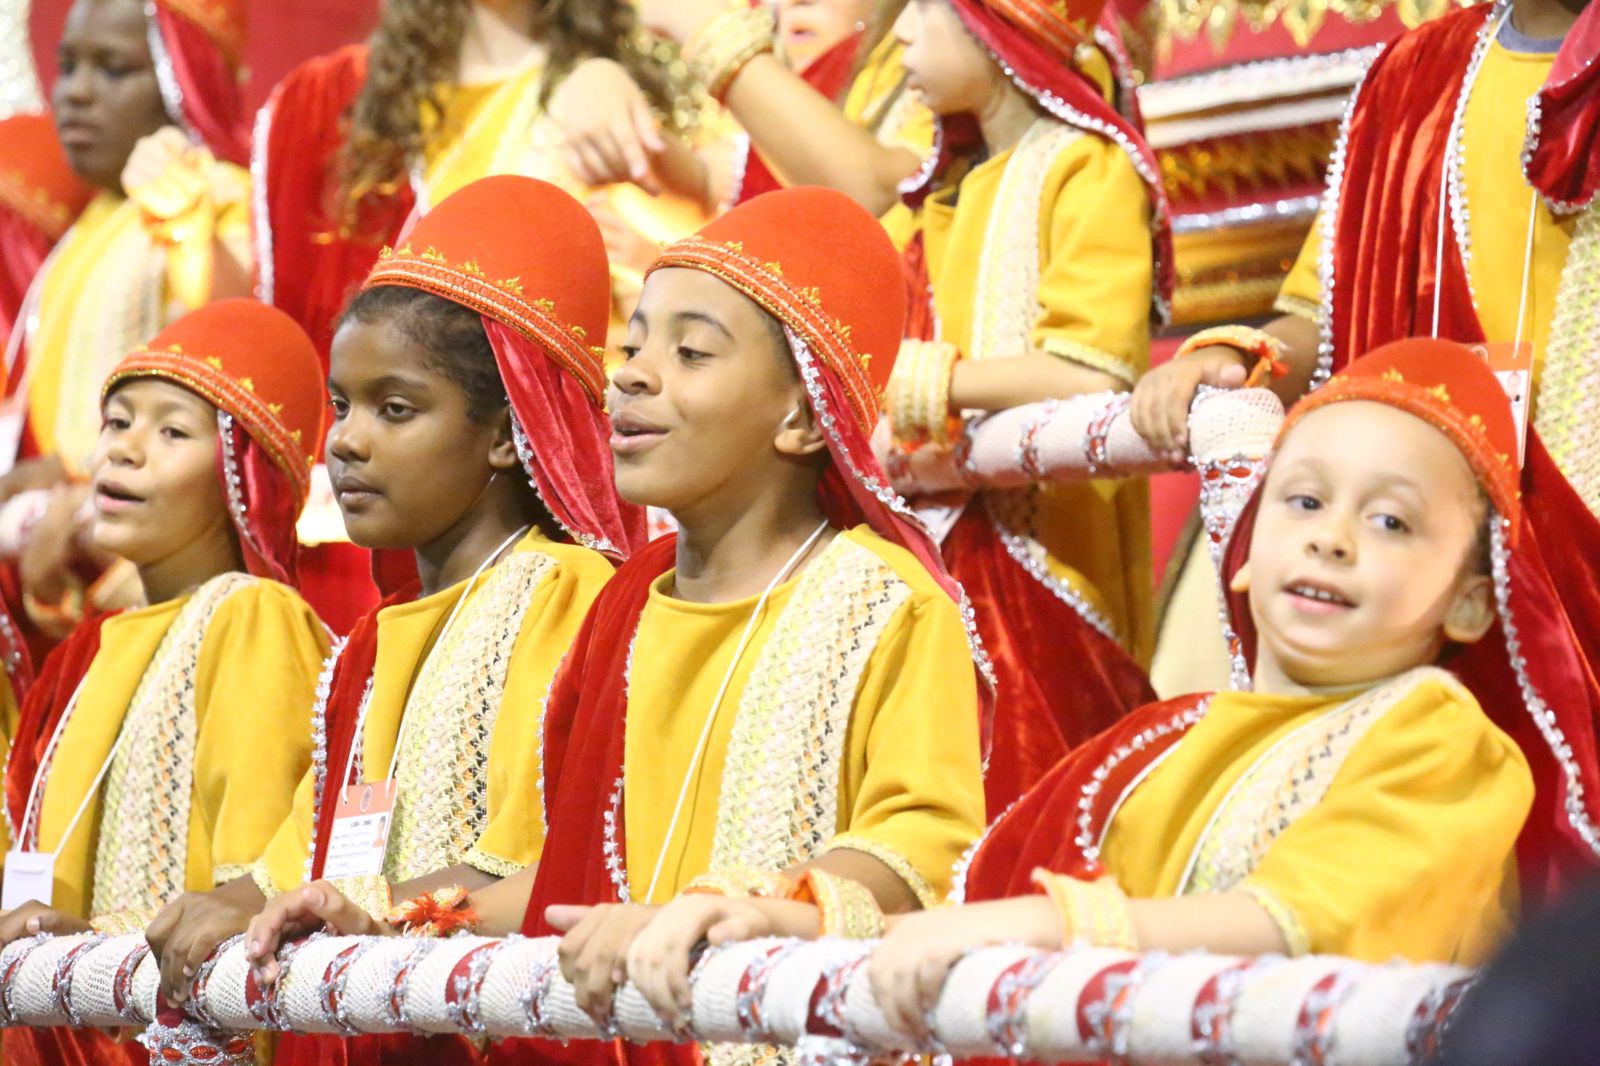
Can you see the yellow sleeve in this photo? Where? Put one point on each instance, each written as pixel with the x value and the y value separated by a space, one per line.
pixel 1411 852
pixel 1097 276
pixel 514 835
pixel 254 688
pixel 282 864
pixel 914 782
pixel 1301 293
pixel 879 102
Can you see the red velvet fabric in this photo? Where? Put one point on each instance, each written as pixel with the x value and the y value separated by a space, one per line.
pixel 570 458
pixel 829 74
pixel 314 264
pixel 1060 681
pixel 71 1047
pixel 1386 228
pixel 271 505
pixel 42 708
pixel 213 100
pixel 585 722
pixel 1562 162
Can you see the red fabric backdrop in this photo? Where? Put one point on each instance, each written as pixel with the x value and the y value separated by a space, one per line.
pixel 282 33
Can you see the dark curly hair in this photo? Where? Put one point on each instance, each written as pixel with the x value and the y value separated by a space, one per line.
pixel 416 50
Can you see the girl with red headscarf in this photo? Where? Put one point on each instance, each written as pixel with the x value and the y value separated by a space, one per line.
pixel 468 430
pixel 1395 782
pixel 147 108
pixel 140 769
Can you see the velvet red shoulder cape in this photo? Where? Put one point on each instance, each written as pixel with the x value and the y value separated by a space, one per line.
pixel 309 261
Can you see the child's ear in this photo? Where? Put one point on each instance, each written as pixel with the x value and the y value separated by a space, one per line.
pixel 1473 612
pixel 1241 580
pixel 503 452
pixel 799 434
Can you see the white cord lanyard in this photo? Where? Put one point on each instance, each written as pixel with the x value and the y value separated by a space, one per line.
pixel 30 815
pixel 722 691
pixel 358 740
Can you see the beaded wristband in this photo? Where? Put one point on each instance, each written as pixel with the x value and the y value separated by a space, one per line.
pixel 742 881
pixel 919 394
pixel 1094 913
pixel 848 908
pixel 719 50
pixel 434 914
pixel 1266 349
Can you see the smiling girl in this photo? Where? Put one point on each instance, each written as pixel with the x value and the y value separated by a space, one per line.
pixel 160 747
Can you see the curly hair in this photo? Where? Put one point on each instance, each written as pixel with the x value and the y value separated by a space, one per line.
pixel 414 58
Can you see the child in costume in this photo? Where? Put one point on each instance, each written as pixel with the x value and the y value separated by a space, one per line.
pixel 781 700
pixel 509 507
pixel 160 747
pixel 1038 234
pixel 1360 801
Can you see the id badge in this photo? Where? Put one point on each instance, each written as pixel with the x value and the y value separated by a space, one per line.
pixel 30 875
pixel 1513 365
pixel 360 837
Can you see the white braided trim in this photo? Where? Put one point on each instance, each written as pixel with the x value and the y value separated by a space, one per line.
pixel 1069 1006
pixel 1086 437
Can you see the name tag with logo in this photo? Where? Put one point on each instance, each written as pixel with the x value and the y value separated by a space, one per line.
pixel 360 838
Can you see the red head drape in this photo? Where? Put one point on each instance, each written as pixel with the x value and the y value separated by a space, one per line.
pixel 40 196
pixel 261 373
pixel 490 246
pixel 197 46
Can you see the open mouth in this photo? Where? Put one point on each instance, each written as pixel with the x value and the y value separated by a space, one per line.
pixel 631 434
pixel 111 498
pixel 1322 597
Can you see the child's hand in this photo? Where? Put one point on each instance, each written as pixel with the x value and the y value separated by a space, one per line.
pixel 294 914
pixel 32 918
pixel 908 969
pixel 609 129
pixel 190 928
pixel 1161 400
pixel 594 951
pixel 659 959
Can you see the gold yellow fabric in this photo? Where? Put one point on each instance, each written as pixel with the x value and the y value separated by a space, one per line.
pixel 491 818
pixel 110 285
pixel 504 128
pixel 909 784
pixel 1408 852
pixel 1497 198
pixel 1075 203
pixel 253 682
pixel 879 102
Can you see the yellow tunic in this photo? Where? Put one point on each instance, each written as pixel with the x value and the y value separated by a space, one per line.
pixel 253 676
pixel 1046 247
pixel 115 280
pixel 1497 197
pixel 1369 824
pixel 908 783
pixel 449 810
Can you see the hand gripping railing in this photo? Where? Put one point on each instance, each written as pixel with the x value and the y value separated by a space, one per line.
pixel 1077 1006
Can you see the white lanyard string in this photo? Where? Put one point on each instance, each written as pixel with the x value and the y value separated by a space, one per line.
pixel 1527 266
pixel 35 791
pixel 358 741
pixel 722 691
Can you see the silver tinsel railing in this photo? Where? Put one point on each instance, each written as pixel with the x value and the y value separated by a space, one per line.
pixel 1077 1006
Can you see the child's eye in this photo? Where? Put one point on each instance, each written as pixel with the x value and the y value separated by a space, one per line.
pixel 1301 501
pixel 116 422
pixel 691 355
pixel 1390 523
pixel 630 350
pixel 395 411
pixel 174 433
pixel 341 407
